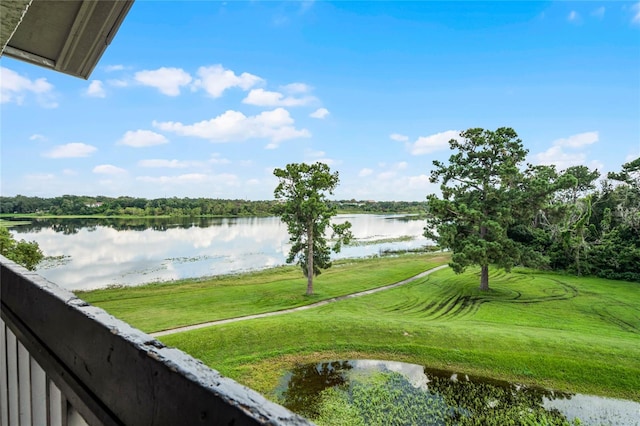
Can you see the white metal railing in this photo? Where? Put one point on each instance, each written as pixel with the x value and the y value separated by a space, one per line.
pixel 28 396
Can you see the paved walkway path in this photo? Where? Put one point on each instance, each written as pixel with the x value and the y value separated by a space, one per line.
pixel 299 308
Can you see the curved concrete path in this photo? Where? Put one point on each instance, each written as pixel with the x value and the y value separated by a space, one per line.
pixel 299 308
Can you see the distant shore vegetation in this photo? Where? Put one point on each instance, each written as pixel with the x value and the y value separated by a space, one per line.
pixel 79 205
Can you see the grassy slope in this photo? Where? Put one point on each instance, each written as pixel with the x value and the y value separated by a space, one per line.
pixel 161 306
pixel 569 333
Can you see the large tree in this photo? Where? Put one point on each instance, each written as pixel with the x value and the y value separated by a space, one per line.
pixel 27 254
pixel 302 192
pixel 482 196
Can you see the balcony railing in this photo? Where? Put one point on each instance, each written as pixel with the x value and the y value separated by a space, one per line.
pixel 65 362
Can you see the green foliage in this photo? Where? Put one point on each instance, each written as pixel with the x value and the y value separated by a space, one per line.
pixel 302 191
pixel 614 232
pixel 589 232
pixel 576 182
pixel 388 398
pixel 630 173
pixel 336 409
pixel 480 200
pixel 82 205
pixel 79 205
pixel 494 212
pixel 380 207
pixel 27 254
pixel 394 401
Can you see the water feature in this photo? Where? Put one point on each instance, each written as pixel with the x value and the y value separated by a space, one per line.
pixel 372 392
pixel 91 253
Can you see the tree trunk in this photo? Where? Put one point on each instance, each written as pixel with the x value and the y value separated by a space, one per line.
pixel 310 260
pixel 484 278
pixel 484 274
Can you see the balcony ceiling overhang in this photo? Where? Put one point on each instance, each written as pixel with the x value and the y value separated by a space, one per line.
pixel 68 36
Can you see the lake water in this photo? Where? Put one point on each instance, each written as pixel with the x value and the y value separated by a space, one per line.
pixel 389 392
pixel 94 253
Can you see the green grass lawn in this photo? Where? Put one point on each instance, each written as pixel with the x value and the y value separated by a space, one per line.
pixel 567 333
pixel 162 306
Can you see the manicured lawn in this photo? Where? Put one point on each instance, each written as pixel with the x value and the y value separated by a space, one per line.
pixel 158 307
pixel 568 333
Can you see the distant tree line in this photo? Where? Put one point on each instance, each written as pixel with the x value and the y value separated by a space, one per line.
pixel 79 205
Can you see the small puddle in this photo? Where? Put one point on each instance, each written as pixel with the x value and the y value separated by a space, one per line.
pixel 371 392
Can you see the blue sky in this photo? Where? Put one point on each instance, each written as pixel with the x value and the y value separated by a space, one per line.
pixel 205 99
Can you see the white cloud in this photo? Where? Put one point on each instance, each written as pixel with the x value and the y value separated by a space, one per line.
pixel 261 97
pixel 385 176
pixel 71 150
pixel 419 182
pixel 188 178
pixel 111 68
pixel 327 161
pixel 142 138
pixel 118 83
pixel 556 154
pixel 365 172
pixel 296 88
pixel 319 113
pixel 108 169
pixel 41 176
pixel 437 142
pixel 215 80
pixel 398 137
pixel 318 157
pixel 167 80
pixel 171 164
pixel 636 13
pixel 226 179
pixel 391 185
pixel 573 16
pixel 216 159
pixel 96 89
pixel 599 12
pixel 391 173
pixel 38 137
pixel 313 154
pixel 14 88
pixel 578 140
pixel 276 125
pixel 69 172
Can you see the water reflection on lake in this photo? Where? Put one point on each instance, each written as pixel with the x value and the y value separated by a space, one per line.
pixel 95 253
pixel 388 392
